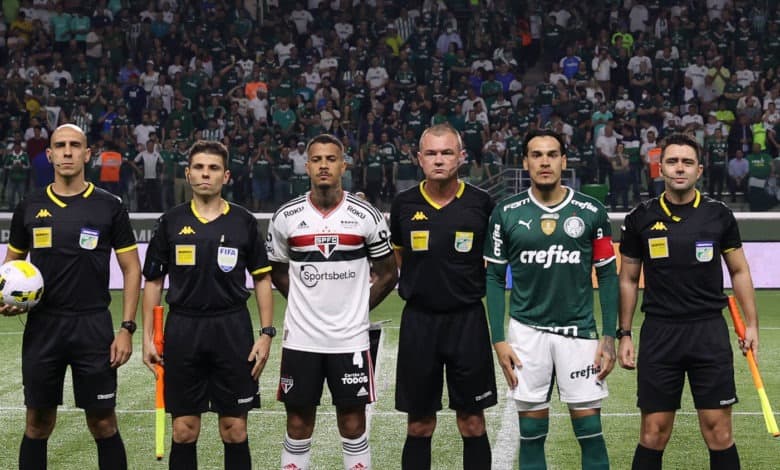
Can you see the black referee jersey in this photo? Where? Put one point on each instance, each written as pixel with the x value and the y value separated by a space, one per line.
pixel 680 248
pixel 442 267
pixel 206 260
pixel 70 240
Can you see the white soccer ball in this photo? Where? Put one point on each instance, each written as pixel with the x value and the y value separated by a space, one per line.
pixel 21 284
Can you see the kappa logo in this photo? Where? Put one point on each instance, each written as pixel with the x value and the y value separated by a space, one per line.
pixel 419 215
pixel 659 226
pixel 43 213
pixel 303 224
pixel 186 230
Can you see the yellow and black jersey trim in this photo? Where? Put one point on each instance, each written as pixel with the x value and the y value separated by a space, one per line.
pixel 431 202
pixel 50 193
pixel 17 250
pixel 202 219
pixel 668 212
pixel 126 249
pixel 265 269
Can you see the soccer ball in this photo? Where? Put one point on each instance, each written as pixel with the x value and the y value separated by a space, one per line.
pixel 21 284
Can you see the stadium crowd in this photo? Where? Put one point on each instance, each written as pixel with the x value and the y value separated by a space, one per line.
pixel 146 79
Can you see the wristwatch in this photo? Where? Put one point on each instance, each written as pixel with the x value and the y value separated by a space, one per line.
pixel 129 325
pixel 621 333
pixel 268 330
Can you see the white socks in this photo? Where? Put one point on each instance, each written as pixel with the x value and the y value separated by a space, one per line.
pixel 296 453
pixel 357 453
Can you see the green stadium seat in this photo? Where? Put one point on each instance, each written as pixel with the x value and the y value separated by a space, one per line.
pixel 598 191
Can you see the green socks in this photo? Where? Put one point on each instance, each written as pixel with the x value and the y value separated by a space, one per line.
pixel 587 430
pixel 533 432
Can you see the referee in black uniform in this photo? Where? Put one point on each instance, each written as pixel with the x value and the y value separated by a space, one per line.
pixel 212 361
pixel 438 231
pixel 69 228
pixel 679 238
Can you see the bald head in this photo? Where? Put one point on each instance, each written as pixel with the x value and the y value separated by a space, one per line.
pixel 71 127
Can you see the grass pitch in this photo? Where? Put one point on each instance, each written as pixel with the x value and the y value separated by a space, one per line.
pixel 71 446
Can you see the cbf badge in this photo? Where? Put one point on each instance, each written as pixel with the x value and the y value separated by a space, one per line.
pixel 548 223
pixel 88 239
pixel 464 241
pixel 227 258
pixel 704 252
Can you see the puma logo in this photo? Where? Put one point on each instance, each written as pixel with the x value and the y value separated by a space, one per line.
pixel 526 224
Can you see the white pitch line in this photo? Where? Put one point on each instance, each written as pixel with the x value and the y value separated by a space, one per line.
pixel 508 441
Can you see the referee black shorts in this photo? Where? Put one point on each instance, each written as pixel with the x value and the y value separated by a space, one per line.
pixel 669 349
pixel 206 366
pixel 429 344
pixel 52 343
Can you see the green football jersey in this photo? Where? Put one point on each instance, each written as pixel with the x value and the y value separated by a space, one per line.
pixel 551 252
pixel 718 152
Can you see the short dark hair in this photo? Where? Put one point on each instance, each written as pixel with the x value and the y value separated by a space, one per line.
pixel 543 133
pixel 682 139
pixel 326 139
pixel 210 147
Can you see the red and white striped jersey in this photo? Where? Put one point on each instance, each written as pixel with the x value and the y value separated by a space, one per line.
pixel 328 255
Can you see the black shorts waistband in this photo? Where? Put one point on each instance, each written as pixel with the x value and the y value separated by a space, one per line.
pixel 64 313
pixel 688 318
pixel 187 312
pixel 468 308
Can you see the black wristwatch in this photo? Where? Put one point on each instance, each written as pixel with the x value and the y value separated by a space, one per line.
pixel 268 330
pixel 621 333
pixel 129 325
